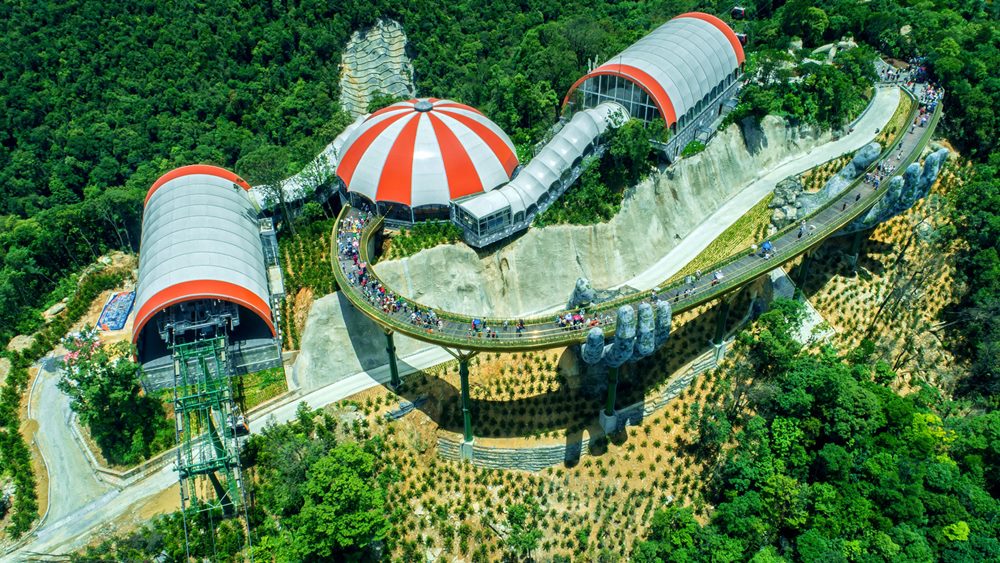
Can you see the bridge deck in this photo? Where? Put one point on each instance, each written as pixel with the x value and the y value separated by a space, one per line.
pixel 355 230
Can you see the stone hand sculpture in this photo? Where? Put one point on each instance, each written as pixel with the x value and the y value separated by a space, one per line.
pixel 636 336
pixel 902 192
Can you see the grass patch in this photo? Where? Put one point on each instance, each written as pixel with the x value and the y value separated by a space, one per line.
pixel 422 236
pixel 748 229
pixel 813 180
pixel 898 120
pixel 693 148
pixel 255 388
pixel 305 264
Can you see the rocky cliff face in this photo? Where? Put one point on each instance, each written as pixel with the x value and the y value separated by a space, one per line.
pixel 375 61
pixel 540 269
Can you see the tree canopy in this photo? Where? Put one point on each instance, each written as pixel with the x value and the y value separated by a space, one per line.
pixel 103 385
pixel 835 466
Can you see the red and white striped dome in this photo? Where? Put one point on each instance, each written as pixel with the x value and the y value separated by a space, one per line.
pixel 426 152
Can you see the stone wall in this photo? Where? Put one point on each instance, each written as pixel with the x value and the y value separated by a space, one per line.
pixel 538 271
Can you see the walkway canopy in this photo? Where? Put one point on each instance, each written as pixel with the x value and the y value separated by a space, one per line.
pixel 672 73
pixel 200 240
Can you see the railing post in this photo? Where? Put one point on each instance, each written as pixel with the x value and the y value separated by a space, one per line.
pixel 390 349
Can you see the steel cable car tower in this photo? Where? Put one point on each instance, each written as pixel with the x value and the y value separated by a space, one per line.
pixel 205 420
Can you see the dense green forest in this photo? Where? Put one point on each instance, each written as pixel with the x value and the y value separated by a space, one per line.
pixel 100 98
pixel 100 381
pixel 833 465
pixel 816 459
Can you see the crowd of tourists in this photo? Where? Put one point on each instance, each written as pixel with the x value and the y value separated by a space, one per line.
pixel 358 275
pixel 580 320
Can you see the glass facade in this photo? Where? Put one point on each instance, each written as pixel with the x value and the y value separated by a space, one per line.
pixel 603 88
pixel 489 224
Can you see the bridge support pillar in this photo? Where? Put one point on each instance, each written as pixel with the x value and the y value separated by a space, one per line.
pixel 852 259
pixel 803 273
pixel 720 322
pixel 390 349
pixel 463 377
pixel 719 340
pixel 609 406
pixel 468 438
pixel 608 418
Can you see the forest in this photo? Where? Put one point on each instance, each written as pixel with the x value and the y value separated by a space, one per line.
pixel 833 465
pixel 101 98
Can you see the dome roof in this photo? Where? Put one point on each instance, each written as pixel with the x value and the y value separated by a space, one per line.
pixel 426 152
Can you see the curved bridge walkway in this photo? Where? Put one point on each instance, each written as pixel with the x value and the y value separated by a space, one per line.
pixel 354 246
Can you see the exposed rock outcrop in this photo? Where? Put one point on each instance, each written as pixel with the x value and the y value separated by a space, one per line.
pixel 525 276
pixel 375 61
pixel 785 203
pixel 790 203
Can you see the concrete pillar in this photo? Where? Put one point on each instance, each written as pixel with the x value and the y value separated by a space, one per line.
pixel 719 341
pixel 390 349
pixel 609 406
pixel 720 323
pixel 463 374
pixel 608 418
pixel 852 259
pixel 803 272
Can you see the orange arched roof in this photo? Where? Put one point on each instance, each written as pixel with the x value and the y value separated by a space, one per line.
pixel 724 28
pixel 643 80
pixel 677 64
pixel 196 169
pixel 201 289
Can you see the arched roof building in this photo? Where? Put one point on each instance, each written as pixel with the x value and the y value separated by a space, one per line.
pixel 412 158
pixel 200 241
pixel 673 73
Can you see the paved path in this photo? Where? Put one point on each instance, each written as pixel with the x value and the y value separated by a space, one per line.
pixel 64 457
pixel 877 116
pixel 81 518
pixel 360 284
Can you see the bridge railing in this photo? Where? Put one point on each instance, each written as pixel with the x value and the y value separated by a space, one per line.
pixel 823 231
pixel 541 331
